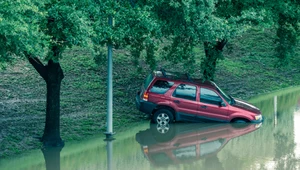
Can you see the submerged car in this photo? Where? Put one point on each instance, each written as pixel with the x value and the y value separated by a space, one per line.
pixel 167 97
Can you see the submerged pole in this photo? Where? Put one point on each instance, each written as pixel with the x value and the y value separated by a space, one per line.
pixel 275 110
pixel 109 116
pixel 109 152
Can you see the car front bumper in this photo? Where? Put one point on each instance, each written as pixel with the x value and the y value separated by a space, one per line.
pixel 259 120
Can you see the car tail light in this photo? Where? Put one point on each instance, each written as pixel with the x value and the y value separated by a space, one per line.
pixel 145 149
pixel 145 96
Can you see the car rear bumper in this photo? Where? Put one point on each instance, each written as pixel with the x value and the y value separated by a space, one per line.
pixel 144 106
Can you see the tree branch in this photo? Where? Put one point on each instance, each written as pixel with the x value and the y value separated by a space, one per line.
pixel 39 66
pixel 220 44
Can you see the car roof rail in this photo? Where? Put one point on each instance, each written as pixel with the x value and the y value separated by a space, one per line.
pixel 163 71
pixel 174 75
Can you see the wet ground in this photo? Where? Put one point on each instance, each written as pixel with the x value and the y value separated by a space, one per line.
pixel 274 144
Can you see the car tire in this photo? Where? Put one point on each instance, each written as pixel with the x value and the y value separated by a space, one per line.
pixel 163 116
pixel 240 121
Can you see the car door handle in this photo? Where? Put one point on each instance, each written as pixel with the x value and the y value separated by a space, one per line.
pixel 203 106
pixel 176 101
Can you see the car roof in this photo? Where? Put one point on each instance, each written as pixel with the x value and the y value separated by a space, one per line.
pixel 181 77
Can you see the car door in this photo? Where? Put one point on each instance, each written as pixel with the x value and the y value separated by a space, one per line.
pixel 184 100
pixel 212 105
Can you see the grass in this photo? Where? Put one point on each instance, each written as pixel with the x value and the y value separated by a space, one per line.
pixel 247 70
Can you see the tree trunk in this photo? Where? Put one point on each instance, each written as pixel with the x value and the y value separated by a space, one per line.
pixel 212 53
pixel 210 62
pixel 286 39
pixel 51 135
pixel 53 75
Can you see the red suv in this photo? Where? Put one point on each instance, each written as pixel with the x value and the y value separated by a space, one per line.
pixel 168 97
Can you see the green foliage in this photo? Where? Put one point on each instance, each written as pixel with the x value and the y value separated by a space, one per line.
pixel 186 25
pixel 134 26
pixel 68 24
pixel 167 28
pixel 282 15
pixel 140 30
pixel 20 30
pixel 288 30
pixel 36 28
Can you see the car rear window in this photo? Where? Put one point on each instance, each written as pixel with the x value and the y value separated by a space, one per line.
pixel 161 86
pixel 148 80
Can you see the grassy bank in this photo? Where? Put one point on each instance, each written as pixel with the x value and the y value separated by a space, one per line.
pixel 247 70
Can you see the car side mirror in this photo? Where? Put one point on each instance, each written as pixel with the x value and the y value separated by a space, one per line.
pixel 222 104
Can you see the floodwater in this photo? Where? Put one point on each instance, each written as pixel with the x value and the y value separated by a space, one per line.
pixel 274 144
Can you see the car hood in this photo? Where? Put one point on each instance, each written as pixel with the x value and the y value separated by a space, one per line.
pixel 244 105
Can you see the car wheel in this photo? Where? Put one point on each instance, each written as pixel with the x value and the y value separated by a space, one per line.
pixel 163 117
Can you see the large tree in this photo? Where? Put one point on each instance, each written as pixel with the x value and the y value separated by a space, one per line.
pixel 212 23
pixel 187 25
pixel 40 31
pixel 282 16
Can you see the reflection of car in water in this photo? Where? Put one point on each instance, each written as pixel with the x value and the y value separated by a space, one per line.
pixel 179 143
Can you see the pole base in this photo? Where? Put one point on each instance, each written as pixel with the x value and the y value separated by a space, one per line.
pixel 109 136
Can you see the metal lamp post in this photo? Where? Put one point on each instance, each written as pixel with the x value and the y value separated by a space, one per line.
pixel 109 122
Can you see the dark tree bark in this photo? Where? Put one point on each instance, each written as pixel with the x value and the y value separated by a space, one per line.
pixel 53 75
pixel 212 54
pixel 286 40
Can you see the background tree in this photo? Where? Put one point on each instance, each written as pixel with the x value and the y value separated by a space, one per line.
pixel 287 19
pixel 283 16
pixel 187 25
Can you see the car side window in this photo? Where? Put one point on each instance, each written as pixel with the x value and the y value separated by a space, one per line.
pixel 185 91
pixel 209 96
pixel 161 86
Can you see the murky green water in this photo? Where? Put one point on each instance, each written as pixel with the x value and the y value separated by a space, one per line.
pixel 274 144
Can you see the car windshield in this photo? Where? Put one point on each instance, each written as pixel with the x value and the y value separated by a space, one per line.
pixel 229 99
